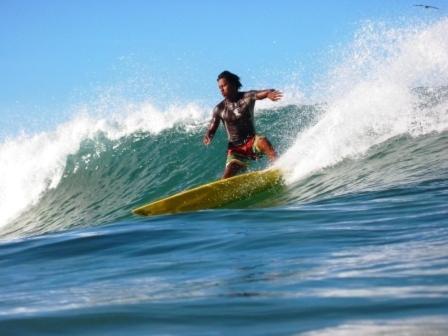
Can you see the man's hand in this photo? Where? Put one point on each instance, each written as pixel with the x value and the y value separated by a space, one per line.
pixel 207 140
pixel 274 95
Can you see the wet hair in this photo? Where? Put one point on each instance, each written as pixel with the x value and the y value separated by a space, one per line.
pixel 231 78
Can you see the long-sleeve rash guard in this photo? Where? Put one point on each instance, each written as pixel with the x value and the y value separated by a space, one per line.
pixel 238 117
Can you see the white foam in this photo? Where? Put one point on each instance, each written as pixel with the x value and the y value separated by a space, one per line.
pixel 369 95
pixel 409 326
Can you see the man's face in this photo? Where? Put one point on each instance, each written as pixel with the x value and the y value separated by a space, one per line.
pixel 226 88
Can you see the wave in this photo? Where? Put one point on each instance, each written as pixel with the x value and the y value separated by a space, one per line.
pixel 32 164
pixel 382 123
pixel 106 177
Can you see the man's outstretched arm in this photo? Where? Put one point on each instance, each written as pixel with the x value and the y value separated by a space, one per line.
pixel 272 94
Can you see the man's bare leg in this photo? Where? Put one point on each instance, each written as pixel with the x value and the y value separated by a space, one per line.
pixel 232 169
pixel 265 146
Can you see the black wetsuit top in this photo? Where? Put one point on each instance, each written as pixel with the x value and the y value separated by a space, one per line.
pixel 238 118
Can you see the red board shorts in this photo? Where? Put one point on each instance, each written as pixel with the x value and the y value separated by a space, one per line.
pixel 241 154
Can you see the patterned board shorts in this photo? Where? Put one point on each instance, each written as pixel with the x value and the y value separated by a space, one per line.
pixel 242 154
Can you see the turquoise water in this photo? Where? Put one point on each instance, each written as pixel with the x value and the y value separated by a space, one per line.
pixel 355 243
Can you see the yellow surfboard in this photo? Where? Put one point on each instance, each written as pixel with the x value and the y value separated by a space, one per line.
pixel 215 194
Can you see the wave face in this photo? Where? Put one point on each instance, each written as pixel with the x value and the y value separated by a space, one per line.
pixel 356 243
pixel 37 167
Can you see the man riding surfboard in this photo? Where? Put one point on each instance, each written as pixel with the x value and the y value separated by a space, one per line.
pixel 236 111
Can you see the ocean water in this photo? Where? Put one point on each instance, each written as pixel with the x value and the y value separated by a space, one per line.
pixel 356 243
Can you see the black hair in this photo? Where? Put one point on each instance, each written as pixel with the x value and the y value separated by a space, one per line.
pixel 231 78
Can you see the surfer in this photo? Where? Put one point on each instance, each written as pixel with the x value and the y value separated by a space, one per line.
pixel 236 111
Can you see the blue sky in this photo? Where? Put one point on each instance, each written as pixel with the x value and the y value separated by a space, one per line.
pixel 55 54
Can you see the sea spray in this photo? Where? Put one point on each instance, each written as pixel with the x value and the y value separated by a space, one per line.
pixel 370 95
